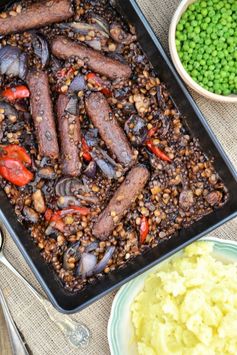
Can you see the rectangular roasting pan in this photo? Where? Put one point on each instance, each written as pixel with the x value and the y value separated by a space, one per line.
pixel 70 303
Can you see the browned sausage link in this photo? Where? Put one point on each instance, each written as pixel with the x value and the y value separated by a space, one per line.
pixel 37 15
pixel 121 201
pixel 64 48
pixel 112 134
pixel 70 138
pixel 42 113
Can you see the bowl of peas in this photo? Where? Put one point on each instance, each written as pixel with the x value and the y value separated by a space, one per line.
pixel 203 47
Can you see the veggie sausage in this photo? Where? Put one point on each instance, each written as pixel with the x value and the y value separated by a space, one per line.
pixel 64 48
pixel 42 113
pixel 37 15
pixel 70 136
pixel 122 200
pixel 114 137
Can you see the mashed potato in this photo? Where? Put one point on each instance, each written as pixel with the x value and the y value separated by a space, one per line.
pixel 188 307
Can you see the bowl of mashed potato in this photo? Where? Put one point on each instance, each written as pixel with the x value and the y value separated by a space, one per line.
pixel 187 305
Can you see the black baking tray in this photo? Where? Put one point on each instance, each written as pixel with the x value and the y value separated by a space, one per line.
pixel 195 122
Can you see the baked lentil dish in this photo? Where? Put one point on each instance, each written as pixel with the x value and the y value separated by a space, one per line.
pixel 94 154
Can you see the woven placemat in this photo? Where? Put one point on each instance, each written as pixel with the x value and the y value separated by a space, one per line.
pixel 42 336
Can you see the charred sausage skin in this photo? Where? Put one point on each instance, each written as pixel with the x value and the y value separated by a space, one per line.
pixel 70 138
pixel 64 48
pixel 122 200
pixel 42 113
pixel 37 15
pixel 112 134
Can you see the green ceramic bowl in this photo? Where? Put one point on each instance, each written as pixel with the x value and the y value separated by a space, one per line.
pixel 120 330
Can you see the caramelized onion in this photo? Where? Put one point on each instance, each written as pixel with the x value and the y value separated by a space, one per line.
pixel 71 252
pixel 136 129
pixel 90 170
pixel 13 62
pixel 78 83
pixel 86 265
pixel 103 262
pixel 8 109
pixel 41 48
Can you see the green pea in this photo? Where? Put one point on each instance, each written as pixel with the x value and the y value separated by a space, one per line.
pixel 180 26
pixel 206 41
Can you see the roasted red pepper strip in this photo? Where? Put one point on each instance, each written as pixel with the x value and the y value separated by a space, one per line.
pixel 48 214
pixel 96 81
pixel 144 229
pixel 84 211
pixel 55 219
pixel 14 151
pixel 154 149
pixel 106 91
pixel 152 131
pixel 15 172
pixel 58 223
pixel 65 72
pixel 57 216
pixel 17 92
pixel 85 150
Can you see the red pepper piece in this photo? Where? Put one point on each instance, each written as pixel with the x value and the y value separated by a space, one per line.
pixel 58 223
pixel 48 214
pixel 85 150
pixel 57 216
pixel 96 81
pixel 93 79
pixel 144 229
pixel 14 151
pixel 84 211
pixel 152 131
pixel 107 92
pixel 65 72
pixel 15 172
pixel 154 149
pixel 17 92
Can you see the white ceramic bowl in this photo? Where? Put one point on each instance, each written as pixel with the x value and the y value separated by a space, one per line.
pixel 120 330
pixel 177 62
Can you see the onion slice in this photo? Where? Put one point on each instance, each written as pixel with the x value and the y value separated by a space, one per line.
pixel 86 265
pixel 91 247
pixel 90 170
pixel 8 109
pixel 78 83
pixel 103 262
pixel 13 62
pixel 41 48
pixel 74 252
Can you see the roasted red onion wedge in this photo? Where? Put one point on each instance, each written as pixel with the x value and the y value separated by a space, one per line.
pixel 78 83
pixel 69 186
pixel 101 22
pixel 41 48
pixel 105 166
pixel 86 265
pixel 136 130
pixel 103 262
pixel 90 170
pixel 84 28
pixel 91 247
pixel 13 62
pixel 72 252
pixel 8 109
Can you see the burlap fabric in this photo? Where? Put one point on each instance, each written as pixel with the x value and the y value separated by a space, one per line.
pixel 42 336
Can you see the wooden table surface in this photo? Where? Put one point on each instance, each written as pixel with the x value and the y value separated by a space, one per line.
pixel 5 347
